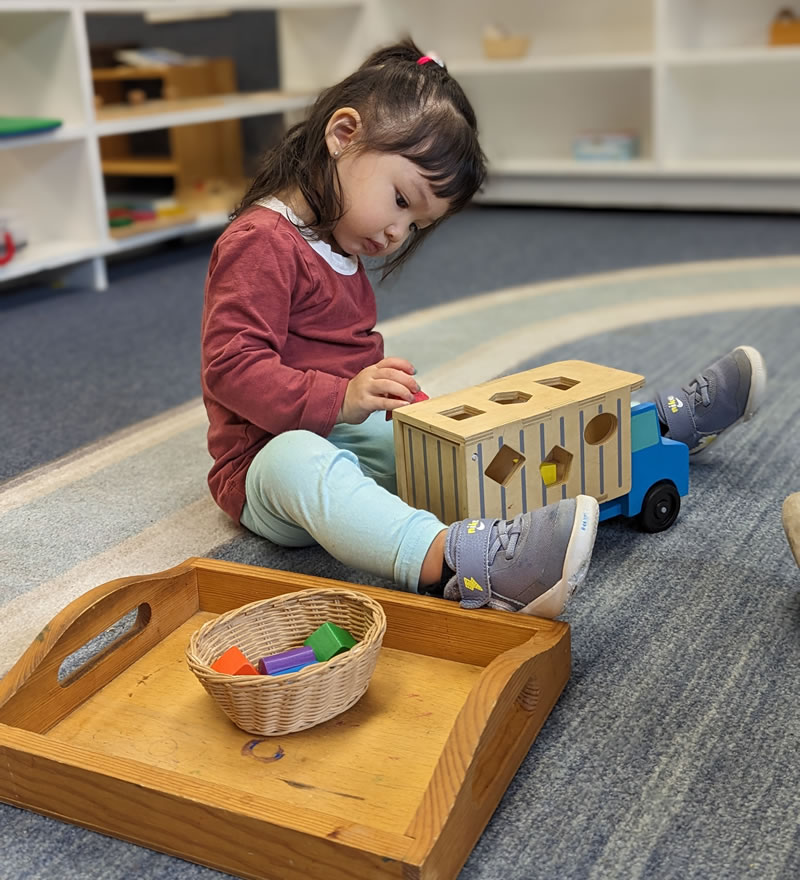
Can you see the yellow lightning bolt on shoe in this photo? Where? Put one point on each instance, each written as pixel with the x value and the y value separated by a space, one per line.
pixel 472 584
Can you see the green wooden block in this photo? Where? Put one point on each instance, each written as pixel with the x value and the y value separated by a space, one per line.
pixel 329 640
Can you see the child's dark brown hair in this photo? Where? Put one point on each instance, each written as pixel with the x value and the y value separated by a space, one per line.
pixel 416 110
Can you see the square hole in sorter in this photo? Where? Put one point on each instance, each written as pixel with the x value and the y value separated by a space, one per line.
pixel 554 469
pixel 459 413
pixel 505 464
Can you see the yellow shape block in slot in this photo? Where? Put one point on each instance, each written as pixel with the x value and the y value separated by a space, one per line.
pixel 548 471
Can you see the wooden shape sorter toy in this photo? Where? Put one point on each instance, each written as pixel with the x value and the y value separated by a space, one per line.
pixel 399 786
pixel 530 439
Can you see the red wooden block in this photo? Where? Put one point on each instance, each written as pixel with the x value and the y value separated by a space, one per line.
pixel 233 662
pixel 418 397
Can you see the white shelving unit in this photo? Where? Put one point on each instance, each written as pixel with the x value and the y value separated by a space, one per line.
pixel 716 110
pixel 54 181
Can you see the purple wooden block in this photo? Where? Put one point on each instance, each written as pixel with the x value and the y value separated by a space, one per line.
pixel 276 663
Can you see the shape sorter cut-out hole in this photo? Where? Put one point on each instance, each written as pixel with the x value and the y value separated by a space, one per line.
pixel 505 464
pixel 600 429
pixel 554 469
pixel 507 397
pixel 459 413
pixel 561 382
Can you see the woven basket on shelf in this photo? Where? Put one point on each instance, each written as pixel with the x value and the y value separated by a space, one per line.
pixel 272 705
pixel 505 47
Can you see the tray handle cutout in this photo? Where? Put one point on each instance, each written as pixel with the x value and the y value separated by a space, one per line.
pixel 93 640
pixel 80 662
pixel 490 737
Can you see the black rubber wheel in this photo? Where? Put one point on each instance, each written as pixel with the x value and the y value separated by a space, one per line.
pixel 660 507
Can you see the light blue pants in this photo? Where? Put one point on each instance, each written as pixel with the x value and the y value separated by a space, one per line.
pixel 340 492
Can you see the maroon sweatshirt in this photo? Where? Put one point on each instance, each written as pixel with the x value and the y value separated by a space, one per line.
pixel 282 334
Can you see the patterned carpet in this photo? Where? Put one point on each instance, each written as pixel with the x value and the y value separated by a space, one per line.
pixel 672 752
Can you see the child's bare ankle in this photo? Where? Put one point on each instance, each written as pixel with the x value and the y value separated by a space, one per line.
pixel 431 571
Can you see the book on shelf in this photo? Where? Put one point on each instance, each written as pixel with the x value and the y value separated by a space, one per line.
pixel 162 206
pixel 154 57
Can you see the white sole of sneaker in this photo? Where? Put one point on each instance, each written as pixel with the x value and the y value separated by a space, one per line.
pixel 576 561
pixel 758 382
pixel 758 385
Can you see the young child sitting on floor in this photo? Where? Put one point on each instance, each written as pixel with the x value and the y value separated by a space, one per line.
pixel 294 377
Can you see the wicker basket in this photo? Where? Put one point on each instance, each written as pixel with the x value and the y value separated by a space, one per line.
pixel 273 705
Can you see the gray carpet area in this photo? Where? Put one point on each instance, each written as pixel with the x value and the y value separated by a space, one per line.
pixel 673 750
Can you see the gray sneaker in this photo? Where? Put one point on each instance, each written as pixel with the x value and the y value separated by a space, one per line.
pixel 724 394
pixel 532 563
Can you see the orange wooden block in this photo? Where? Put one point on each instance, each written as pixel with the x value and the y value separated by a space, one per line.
pixel 233 662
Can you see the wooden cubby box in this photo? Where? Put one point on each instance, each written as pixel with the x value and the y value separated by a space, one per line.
pixel 189 154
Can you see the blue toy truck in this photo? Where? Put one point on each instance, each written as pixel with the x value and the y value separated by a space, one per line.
pixel 659 474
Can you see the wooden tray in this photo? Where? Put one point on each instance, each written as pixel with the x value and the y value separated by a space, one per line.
pixel 401 785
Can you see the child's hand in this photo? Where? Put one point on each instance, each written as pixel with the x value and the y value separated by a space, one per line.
pixel 383 386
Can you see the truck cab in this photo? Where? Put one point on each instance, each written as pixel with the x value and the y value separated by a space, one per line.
pixel 659 471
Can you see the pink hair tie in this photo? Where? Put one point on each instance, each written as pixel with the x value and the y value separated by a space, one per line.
pixel 426 58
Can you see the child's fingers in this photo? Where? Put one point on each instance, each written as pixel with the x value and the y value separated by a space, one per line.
pixel 387 388
pixel 401 378
pixel 396 363
pixel 392 403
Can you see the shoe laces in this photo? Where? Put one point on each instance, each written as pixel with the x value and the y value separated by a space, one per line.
pixel 699 388
pixel 507 537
